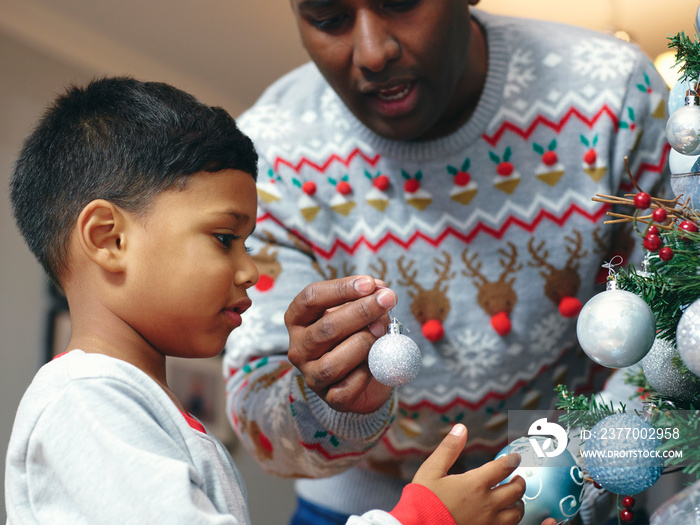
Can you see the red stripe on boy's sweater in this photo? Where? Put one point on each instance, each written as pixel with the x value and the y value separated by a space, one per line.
pixel 556 126
pixel 480 227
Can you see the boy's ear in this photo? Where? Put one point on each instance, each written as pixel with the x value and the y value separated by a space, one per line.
pixel 101 234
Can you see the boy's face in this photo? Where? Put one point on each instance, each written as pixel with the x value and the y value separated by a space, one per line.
pixel 188 269
pixel 401 67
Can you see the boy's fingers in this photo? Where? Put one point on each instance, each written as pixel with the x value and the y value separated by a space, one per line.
pixel 510 493
pixel 444 456
pixel 499 469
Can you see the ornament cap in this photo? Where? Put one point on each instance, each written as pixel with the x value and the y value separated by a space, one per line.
pixel 395 327
pixel 691 98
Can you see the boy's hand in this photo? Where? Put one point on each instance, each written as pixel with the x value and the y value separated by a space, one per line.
pixel 473 497
pixel 332 326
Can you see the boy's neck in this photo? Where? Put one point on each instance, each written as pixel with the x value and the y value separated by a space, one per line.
pixel 102 333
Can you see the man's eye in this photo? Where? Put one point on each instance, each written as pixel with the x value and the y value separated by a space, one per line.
pixel 328 23
pixel 402 5
pixel 226 238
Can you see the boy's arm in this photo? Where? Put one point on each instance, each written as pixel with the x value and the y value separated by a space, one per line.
pixel 103 452
pixel 471 498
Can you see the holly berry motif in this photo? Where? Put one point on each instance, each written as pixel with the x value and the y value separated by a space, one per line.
pixel 590 157
pixel 379 181
pixel 342 186
pixel 504 167
pixel 412 184
pixel 267 190
pixel 631 125
pixel 461 175
pixel 549 156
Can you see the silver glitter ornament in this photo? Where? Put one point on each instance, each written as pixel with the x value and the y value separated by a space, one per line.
pixel 394 358
pixel 616 328
pixel 664 377
pixel 688 337
pixel 620 454
pixel 683 127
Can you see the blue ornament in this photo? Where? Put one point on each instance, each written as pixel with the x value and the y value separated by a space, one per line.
pixel 620 454
pixel 553 485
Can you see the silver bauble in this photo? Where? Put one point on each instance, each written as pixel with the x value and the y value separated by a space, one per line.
pixel 683 128
pixel 394 358
pixel 664 377
pixel 616 328
pixel 688 337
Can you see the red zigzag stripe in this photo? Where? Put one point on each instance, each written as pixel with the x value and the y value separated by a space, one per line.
pixel 467 238
pixel 323 167
pixel 491 140
pixel 543 121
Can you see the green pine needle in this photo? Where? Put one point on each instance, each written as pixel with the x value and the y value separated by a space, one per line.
pixel 687 56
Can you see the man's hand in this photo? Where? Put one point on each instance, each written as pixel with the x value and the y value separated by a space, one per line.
pixel 332 326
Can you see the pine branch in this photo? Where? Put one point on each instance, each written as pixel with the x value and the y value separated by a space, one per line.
pixel 687 56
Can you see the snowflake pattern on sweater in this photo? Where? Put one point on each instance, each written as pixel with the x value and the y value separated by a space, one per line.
pixel 489 236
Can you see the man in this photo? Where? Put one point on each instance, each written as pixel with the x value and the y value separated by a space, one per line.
pixel 451 155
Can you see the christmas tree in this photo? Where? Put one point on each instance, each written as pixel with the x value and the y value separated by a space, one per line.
pixel 667 370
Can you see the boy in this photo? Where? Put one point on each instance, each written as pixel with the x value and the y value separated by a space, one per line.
pixel 137 200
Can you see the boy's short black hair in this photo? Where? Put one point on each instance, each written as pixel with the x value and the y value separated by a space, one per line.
pixel 121 140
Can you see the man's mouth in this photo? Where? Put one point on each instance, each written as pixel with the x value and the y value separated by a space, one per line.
pixel 394 93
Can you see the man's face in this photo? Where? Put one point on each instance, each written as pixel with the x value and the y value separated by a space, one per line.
pixel 402 67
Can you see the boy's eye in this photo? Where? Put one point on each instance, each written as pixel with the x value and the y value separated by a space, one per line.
pixel 226 238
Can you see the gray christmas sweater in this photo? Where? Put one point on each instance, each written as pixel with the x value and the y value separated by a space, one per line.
pixel 97 441
pixel 489 236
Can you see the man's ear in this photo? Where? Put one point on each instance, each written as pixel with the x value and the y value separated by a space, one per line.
pixel 101 234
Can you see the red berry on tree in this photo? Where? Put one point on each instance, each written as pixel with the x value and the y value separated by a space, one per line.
pixel 590 157
pixel 309 187
pixel 626 515
pixel 344 188
pixel 504 169
pixel 628 502
pixel 642 200
pixel 549 158
pixel 652 230
pixel 688 226
pixel 462 178
pixel 659 215
pixel 652 242
pixel 666 253
pixel 381 182
pixel 411 186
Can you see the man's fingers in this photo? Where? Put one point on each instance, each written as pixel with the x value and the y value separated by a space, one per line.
pixel 444 456
pixel 317 298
